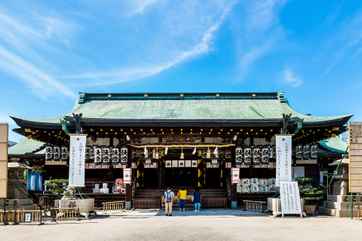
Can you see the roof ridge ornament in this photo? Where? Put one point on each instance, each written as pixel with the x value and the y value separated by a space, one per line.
pixel 282 98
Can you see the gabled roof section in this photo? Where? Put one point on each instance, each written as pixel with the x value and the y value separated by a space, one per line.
pixel 185 110
pixel 26 146
pixel 335 144
pixel 191 106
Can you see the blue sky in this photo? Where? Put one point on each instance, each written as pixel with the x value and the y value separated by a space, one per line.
pixel 51 50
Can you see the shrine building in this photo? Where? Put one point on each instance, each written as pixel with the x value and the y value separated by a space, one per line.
pixel 190 140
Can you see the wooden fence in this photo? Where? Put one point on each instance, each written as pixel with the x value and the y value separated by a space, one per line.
pixel 21 216
pixel 110 207
pixel 65 214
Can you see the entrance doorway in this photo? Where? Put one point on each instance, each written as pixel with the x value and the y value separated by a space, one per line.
pixel 151 178
pixel 181 177
pixel 213 178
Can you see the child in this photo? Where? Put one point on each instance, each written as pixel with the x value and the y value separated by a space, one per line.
pixel 197 200
pixel 182 195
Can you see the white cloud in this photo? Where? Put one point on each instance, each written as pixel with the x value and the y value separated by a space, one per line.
pixel 139 6
pixel 346 42
pixel 120 75
pixel 291 78
pixel 20 51
pixel 257 32
pixel 41 82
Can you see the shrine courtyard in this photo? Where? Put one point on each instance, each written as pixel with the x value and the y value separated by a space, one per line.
pixel 206 226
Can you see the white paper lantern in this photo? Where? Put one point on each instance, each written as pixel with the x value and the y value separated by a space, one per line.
pixel 124 155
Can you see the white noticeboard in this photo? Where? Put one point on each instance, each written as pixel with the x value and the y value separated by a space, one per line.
pixel 235 175
pixel 283 145
pixel 127 175
pixel 290 198
pixel 77 160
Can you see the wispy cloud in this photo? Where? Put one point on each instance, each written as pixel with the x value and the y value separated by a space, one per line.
pixel 20 56
pixel 291 78
pixel 139 6
pixel 346 42
pixel 41 82
pixel 116 76
pixel 257 33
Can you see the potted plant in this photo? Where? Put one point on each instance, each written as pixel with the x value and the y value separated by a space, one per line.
pixel 311 194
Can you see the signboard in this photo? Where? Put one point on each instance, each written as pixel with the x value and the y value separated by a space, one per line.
pixel 28 217
pixel 355 157
pixel 127 175
pixel 235 175
pixel 3 160
pixel 290 198
pixel 283 148
pixel 77 160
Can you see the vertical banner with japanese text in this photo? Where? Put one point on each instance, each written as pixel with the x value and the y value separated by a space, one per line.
pixel 283 146
pixel 77 160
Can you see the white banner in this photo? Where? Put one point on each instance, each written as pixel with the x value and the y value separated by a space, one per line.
pixel 77 160
pixel 290 198
pixel 235 175
pixel 127 175
pixel 283 146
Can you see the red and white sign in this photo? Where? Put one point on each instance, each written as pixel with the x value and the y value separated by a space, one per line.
pixel 127 175
pixel 235 175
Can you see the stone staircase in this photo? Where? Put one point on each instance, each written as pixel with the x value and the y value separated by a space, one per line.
pixel 151 198
pixel 340 206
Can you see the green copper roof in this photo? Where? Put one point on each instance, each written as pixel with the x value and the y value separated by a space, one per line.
pixel 25 146
pixel 335 144
pixel 189 106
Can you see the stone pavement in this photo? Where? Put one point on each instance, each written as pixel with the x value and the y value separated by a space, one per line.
pixel 205 226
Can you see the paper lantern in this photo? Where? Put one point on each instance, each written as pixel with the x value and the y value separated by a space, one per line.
pixel 306 152
pixel 48 153
pixel 115 155
pixel 56 153
pixel 106 155
pixel 247 156
pixel 64 153
pixel 124 155
pixel 314 152
pixel 238 155
pixel 299 152
pixel 97 154
pixel 265 155
pixel 256 155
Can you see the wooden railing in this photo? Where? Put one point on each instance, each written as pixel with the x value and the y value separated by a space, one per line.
pixel 113 206
pixel 65 214
pixel 255 206
pixel 21 216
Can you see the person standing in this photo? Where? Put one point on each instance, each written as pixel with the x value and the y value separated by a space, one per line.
pixel 168 197
pixel 197 200
pixel 182 195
